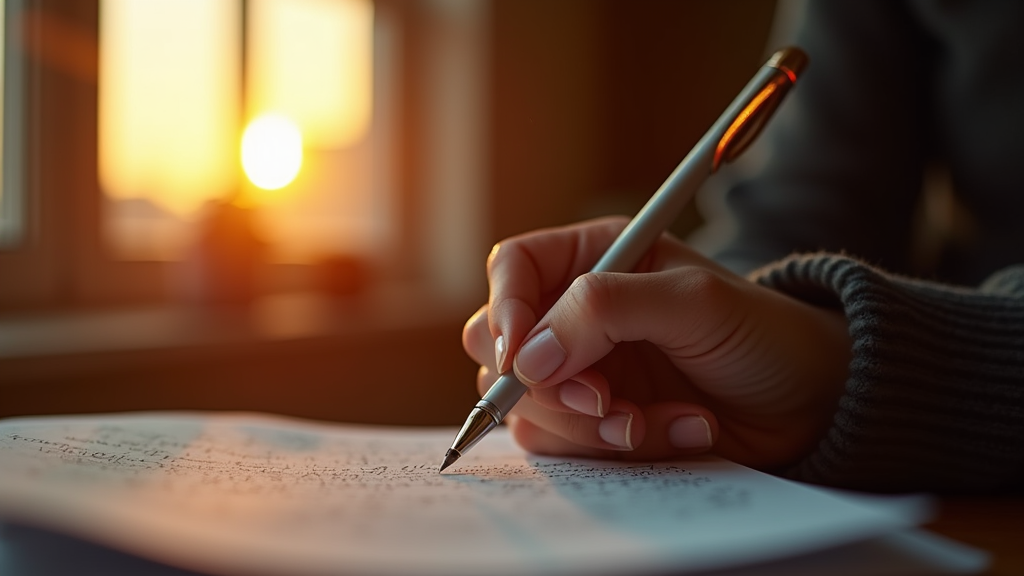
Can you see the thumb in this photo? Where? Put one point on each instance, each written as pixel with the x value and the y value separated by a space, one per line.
pixel 685 310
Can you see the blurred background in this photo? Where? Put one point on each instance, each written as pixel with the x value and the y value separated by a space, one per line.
pixel 286 205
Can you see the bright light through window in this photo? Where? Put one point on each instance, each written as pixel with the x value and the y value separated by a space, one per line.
pixel 169 114
pixel 169 101
pixel 171 118
pixel 271 151
pixel 311 61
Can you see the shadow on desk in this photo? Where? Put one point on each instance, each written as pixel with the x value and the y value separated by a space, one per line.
pixel 31 552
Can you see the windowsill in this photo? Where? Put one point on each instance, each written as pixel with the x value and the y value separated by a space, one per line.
pixel 292 353
pixel 276 318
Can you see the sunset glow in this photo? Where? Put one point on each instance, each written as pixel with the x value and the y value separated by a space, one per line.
pixel 312 61
pixel 169 101
pixel 272 151
pixel 282 125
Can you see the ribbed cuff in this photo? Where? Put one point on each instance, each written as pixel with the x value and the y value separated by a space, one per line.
pixel 935 395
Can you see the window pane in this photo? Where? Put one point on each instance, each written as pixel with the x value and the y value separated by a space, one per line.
pixel 172 112
pixel 312 62
pixel 169 111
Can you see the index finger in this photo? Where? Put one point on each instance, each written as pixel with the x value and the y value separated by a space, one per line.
pixel 527 273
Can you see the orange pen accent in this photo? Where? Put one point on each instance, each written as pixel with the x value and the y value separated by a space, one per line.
pixel 749 122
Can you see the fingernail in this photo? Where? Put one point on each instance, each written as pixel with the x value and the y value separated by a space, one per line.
pixel 689 432
pixel 539 357
pixel 499 351
pixel 581 397
pixel 615 429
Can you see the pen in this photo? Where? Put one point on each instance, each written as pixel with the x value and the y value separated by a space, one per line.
pixel 730 135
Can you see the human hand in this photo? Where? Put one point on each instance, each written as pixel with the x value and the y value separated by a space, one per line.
pixel 677 358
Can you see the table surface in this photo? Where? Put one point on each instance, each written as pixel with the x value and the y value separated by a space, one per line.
pixel 995 524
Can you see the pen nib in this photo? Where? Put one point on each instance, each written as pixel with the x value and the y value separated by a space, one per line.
pixel 449 458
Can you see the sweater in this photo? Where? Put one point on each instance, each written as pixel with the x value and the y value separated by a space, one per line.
pixel 935 393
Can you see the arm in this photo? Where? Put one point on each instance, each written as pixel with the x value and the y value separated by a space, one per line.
pixel 935 394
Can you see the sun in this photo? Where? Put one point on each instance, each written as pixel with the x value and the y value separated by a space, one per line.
pixel 271 151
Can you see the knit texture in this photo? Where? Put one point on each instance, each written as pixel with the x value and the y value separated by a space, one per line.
pixel 935 394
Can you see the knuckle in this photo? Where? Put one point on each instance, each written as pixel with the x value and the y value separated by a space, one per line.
pixel 502 252
pixel 710 302
pixel 590 296
pixel 706 288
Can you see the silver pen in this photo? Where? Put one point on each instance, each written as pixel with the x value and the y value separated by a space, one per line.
pixel 728 138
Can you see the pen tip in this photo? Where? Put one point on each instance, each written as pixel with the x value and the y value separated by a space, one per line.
pixel 449 458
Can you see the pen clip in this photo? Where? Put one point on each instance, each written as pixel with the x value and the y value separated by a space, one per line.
pixel 788 62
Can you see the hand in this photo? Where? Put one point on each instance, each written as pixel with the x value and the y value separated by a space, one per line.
pixel 677 358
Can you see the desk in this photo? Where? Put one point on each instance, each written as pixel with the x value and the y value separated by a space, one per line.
pixel 992 524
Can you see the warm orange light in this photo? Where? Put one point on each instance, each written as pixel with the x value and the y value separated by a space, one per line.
pixel 738 134
pixel 169 96
pixel 312 61
pixel 272 151
pixel 172 108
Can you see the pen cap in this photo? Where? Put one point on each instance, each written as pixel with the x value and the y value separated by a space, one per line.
pixel 790 60
pixel 789 64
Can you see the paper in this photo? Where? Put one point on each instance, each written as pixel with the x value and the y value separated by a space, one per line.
pixel 248 494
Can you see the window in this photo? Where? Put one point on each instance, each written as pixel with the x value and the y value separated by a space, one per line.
pixel 130 146
pixel 179 80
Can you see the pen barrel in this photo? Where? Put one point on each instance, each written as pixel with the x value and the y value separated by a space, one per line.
pixel 504 394
pixel 665 205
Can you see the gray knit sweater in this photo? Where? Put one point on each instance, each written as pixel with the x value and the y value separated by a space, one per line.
pixel 935 396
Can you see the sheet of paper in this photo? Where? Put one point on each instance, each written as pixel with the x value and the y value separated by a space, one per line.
pixel 250 494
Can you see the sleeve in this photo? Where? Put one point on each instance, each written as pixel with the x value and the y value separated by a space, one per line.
pixel 935 394
pixel 844 158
